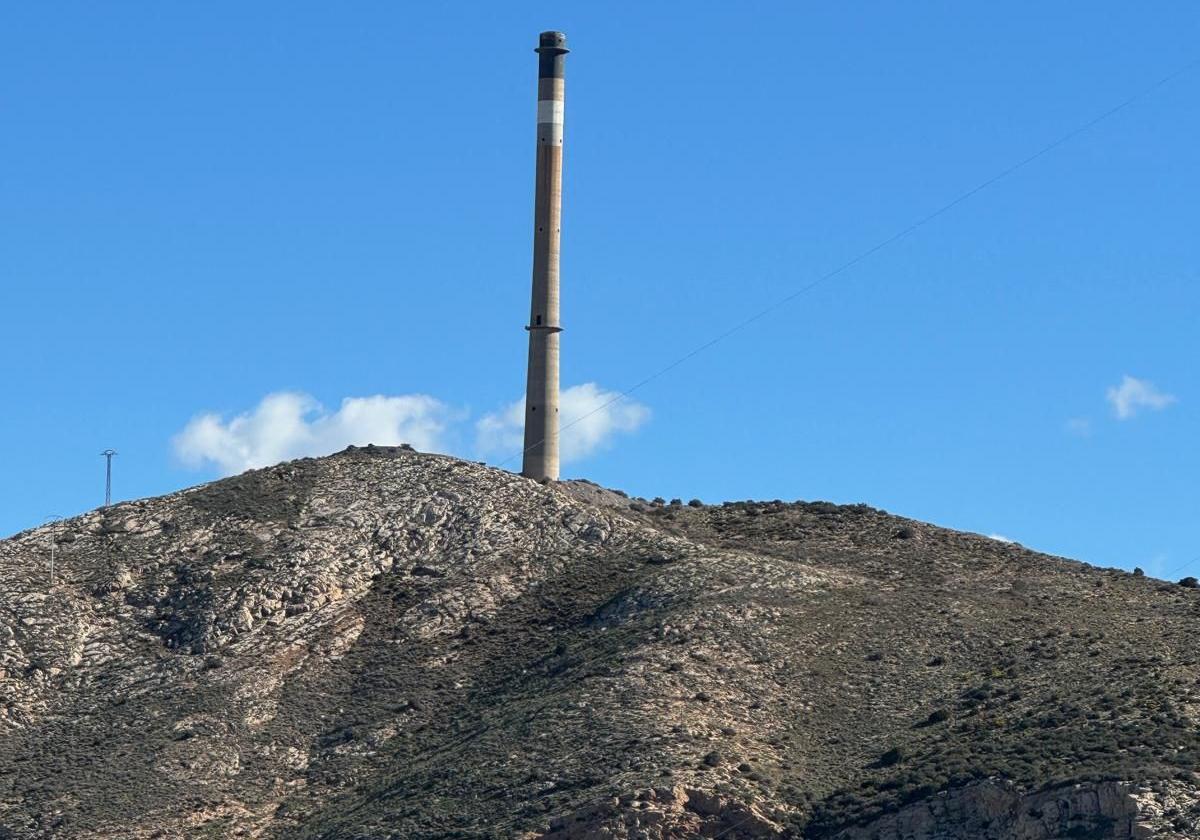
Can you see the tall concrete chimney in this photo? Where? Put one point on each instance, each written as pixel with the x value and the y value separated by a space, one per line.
pixel 541 387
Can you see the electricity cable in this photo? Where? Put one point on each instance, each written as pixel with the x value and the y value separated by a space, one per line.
pixel 874 249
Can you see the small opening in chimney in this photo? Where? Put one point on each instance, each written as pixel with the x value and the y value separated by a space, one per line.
pixel 539 320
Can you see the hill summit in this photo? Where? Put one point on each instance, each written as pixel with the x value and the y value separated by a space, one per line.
pixel 386 644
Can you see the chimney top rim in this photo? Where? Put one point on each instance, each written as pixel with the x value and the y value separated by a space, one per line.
pixel 552 41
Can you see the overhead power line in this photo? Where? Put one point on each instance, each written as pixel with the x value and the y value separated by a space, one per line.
pixel 1170 573
pixel 874 249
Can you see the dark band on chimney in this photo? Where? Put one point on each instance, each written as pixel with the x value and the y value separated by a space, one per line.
pixel 552 46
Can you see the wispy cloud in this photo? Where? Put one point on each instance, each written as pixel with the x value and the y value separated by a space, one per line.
pixel 288 425
pixel 1159 565
pixel 1000 538
pixel 1081 426
pixel 590 416
pixel 1133 395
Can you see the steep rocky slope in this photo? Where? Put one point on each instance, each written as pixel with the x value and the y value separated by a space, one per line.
pixel 387 644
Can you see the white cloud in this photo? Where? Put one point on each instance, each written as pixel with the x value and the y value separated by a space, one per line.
pixel 288 425
pixel 590 416
pixel 1132 395
pixel 1000 538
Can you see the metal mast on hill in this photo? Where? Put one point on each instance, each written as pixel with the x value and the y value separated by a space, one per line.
pixel 108 455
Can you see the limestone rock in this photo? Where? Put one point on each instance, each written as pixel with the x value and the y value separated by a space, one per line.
pixel 384 644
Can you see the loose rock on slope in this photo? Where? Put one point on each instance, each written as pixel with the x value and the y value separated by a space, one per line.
pixel 387 644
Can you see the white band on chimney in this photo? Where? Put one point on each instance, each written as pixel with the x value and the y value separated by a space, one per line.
pixel 550 111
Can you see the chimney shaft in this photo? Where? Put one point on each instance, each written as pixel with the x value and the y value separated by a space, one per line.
pixel 541 388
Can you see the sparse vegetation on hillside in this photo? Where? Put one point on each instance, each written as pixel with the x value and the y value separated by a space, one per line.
pixel 385 644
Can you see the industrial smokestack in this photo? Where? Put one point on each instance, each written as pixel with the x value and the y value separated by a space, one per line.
pixel 541 387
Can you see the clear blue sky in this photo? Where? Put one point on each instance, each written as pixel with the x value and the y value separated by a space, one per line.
pixel 203 204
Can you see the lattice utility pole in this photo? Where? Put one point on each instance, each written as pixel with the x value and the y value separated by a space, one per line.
pixel 53 542
pixel 108 455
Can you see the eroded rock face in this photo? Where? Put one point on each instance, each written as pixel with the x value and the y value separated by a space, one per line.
pixel 387 644
pixel 993 810
pixel 664 813
pixel 996 811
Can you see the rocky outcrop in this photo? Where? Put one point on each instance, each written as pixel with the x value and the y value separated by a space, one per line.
pixel 664 813
pixel 992 810
pixel 384 644
pixel 999 811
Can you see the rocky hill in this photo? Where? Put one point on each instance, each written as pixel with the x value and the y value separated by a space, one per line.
pixel 384 644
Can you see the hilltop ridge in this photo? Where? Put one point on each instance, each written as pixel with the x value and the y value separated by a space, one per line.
pixel 383 643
